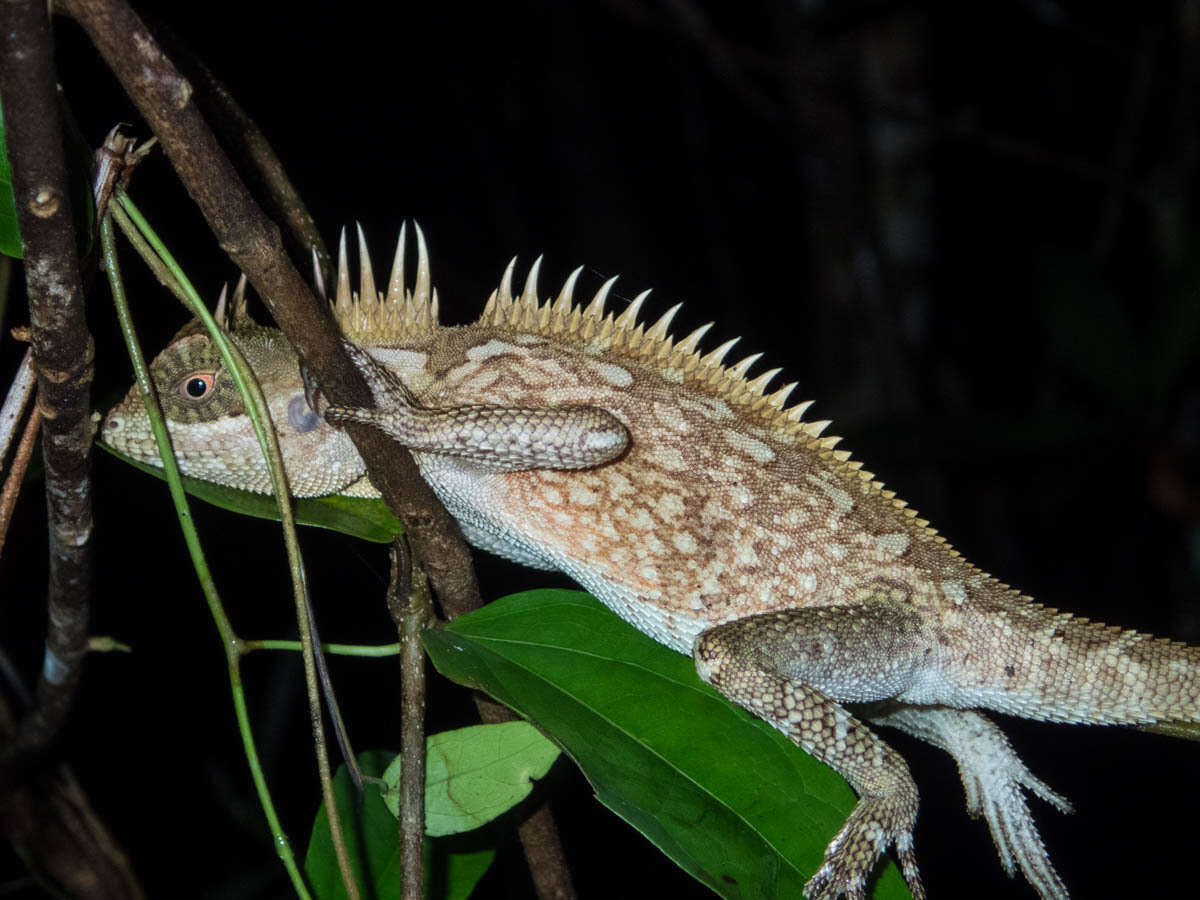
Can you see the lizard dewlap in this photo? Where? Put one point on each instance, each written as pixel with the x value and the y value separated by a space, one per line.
pixel 709 514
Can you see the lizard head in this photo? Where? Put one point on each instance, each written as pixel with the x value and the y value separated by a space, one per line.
pixel 210 428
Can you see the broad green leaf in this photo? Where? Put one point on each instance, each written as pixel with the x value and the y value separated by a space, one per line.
pixel 451 870
pixel 723 794
pixel 358 517
pixel 474 774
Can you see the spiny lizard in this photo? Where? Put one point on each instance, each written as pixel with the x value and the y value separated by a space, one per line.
pixel 707 513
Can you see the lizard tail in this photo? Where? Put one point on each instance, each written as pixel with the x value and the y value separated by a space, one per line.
pixel 1061 668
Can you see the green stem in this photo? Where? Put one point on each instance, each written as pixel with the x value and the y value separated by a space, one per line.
pixel 229 639
pixel 365 650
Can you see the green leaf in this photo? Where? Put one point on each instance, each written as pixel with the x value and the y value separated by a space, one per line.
pixel 473 775
pixel 10 231
pixel 452 869
pixel 359 517
pixel 722 793
pixel 453 875
pixel 371 838
pixel 78 159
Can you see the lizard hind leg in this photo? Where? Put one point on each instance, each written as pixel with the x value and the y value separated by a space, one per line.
pixel 993 777
pixel 780 666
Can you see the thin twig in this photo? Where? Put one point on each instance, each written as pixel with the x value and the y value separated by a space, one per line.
pixel 340 732
pixel 369 651
pixel 116 160
pixel 62 350
pixel 412 610
pixel 20 391
pixel 16 473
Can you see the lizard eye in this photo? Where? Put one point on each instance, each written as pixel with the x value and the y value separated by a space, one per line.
pixel 197 385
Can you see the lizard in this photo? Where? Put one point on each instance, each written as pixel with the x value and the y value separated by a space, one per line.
pixel 705 511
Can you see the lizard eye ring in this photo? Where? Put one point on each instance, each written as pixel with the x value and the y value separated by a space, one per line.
pixel 198 385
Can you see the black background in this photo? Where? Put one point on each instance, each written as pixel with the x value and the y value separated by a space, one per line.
pixel 768 165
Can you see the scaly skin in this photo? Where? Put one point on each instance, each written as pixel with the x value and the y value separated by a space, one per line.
pixel 721 523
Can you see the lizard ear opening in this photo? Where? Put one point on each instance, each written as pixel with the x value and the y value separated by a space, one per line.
pixel 301 416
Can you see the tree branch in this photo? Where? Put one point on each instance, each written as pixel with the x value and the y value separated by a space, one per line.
pixel 62 351
pixel 412 611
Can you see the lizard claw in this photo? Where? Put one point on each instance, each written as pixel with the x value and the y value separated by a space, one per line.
pixel 312 390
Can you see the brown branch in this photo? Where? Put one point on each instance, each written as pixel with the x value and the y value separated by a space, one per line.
pixel 12 410
pixel 62 350
pixel 252 240
pixel 538 833
pixel 544 852
pixel 412 611
pixel 16 472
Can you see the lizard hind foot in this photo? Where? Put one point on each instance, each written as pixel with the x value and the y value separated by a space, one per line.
pixel 995 780
pixel 873 826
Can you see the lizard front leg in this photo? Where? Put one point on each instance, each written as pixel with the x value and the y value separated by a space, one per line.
pixel 499 439
pixel 791 668
pixel 993 777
